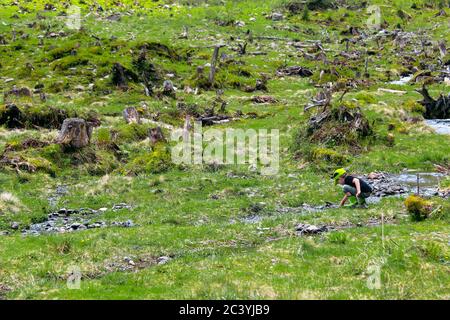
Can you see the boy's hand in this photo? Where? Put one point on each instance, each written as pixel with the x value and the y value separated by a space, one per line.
pixel 358 194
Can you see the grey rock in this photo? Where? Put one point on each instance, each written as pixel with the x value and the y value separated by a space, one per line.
pixel 307 229
pixel 163 260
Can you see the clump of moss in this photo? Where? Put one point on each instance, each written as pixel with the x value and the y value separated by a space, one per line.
pixel 61 52
pixel 418 208
pixel 45 117
pixel 329 155
pixel 70 62
pixel 156 161
pixel 365 97
pixel 129 133
pixel 414 107
pixel 55 154
pixel 43 165
pixel 105 163
pixel 160 50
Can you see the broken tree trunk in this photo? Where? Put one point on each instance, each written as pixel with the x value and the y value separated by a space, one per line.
pixel 131 115
pixel 75 133
pixel 435 109
pixel 156 135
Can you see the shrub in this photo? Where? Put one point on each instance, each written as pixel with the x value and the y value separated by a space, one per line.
pixel 70 62
pixel 104 163
pixel 414 107
pixel 329 155
pixel 131 132
pixel 366 97
pixel 418 208
pixel 157 161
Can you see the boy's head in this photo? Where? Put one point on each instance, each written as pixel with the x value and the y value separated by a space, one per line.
pixel 339 176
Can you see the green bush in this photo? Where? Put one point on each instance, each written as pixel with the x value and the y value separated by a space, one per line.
pixel 414 107
pixel 328 155
pixel 418 208
pixel 131 132
pixel 157 161
pixel 104 163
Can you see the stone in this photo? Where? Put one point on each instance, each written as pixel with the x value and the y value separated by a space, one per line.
pixel 276 16
pixel 163 260
pixel 308 229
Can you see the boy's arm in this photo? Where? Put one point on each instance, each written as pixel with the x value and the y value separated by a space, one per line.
pixel 358 186
pixel 343 201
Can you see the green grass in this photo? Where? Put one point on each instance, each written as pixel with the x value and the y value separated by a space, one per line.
pixel 195 215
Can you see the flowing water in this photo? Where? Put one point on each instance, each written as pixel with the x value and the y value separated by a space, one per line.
pixel 441 126
pixel 403 81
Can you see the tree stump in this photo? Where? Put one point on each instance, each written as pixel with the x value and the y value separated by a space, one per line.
pixel 75 133
pixel 121 76
pixel 435 109
pixel 131 115
pixel 156 135
pixel 118 76
pixel 12 117
pixel 168 89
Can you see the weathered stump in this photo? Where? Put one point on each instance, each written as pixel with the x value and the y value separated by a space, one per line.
pixel 121 76
pixel 12 117
pixel 156 135
pixel 435 109
pixel 18 92
pixel 168 89
pixel 131 115
pixel 118 76
pixel 75 133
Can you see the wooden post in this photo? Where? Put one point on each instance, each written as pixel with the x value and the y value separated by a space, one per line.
pixel 418 184
pixel 212 71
